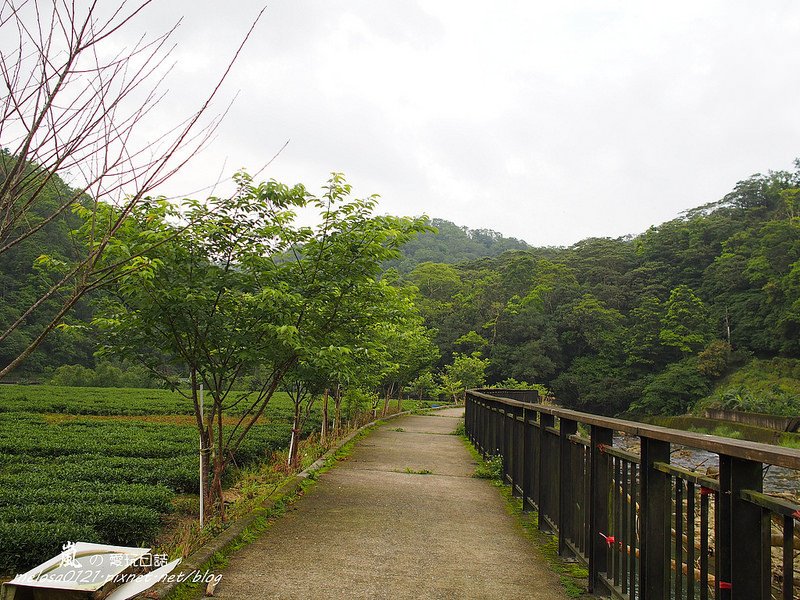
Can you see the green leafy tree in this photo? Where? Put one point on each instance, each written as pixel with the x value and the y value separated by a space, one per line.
pixel 595 384
pixel 471 342
pixel 675 390
pixel 643 341
pixel 685 325
pixel 601 265
pixel 437 282
pixel 518 274
pixel 466 372
pixel 595 328
pixel 408 350
pixel 759 194
pixel 791 204
pixel 714 359
pixel 244 287
pixel 424 385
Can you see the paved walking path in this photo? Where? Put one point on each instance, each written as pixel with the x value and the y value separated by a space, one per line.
pixel 374 527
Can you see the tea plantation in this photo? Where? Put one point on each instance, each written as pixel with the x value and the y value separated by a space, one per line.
pixel 100 479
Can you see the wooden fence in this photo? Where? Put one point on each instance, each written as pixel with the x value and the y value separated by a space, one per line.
pixel 646 528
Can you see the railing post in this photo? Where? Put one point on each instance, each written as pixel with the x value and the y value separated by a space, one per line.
pixel 518 466
pixel 485 422
pixel 498 428
pixel 654 524
pixel 744 561
pixel 507 449
pixel 485 426
pixel 467 422
pixel 543 464
pixel 473 432
pixel 491 442
pixel 599 486
pixel 530 481
pixel 567 488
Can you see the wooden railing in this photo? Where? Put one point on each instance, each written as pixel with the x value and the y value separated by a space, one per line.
pixel 646 528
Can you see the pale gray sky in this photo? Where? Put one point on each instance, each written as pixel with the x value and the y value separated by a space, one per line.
pixel 546 121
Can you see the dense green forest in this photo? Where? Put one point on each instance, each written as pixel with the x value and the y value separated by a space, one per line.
pixel 644 324
pixel 451 244
pixel 638 323
pixel 26 277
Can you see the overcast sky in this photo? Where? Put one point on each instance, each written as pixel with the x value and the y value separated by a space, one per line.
pixel 546 121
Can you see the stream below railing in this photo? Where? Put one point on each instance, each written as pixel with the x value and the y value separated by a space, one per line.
pixel 777 480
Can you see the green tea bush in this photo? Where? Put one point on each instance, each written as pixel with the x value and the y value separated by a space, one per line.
pixel 27 543
pixel 124 523
pixel 107 401
pixel 113 523
pixel 105 480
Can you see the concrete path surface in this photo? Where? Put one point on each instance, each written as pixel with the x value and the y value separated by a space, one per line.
pixel 374 527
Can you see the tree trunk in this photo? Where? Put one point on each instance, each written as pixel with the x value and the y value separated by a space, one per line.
pixel 216 491
pixel 295 441
pixel 338 401
pixel 324 430
pixel 219 463
pixel 386 403
pixel 206 442
pixel 205 488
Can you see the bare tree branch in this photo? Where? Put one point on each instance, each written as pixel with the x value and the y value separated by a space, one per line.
pixel 70 109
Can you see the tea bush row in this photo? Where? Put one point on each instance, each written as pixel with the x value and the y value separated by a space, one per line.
pixel 113 523
pixel 27 543
pixel 102 480
pixel 178 474
pixel 24 491
pixel 52 399
pixel 24 434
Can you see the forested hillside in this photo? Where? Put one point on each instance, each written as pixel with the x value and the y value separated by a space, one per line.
pixel 645 324
pixel 641 323
pixel 451 244
pixel 25 277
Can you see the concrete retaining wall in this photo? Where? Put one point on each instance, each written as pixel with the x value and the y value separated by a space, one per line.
pixel 757 419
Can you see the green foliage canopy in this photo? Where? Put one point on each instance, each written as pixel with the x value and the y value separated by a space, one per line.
pixel 242 286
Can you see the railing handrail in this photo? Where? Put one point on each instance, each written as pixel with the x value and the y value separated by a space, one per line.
pixel 756 451
pixel 633 518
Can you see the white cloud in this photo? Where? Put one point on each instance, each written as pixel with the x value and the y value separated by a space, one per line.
pixel 545 121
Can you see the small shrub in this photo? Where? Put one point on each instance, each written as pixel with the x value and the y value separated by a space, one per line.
pixel 490 468
pixel 723 431
pixel 789 440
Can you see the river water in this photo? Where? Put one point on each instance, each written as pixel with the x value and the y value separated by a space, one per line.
pixel 777 480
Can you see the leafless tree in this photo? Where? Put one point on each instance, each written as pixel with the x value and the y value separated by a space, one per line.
pixel 73 99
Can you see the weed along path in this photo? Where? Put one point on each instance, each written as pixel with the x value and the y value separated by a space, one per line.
pixel 400 518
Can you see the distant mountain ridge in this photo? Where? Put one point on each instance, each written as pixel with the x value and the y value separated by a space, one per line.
pixel 452 244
